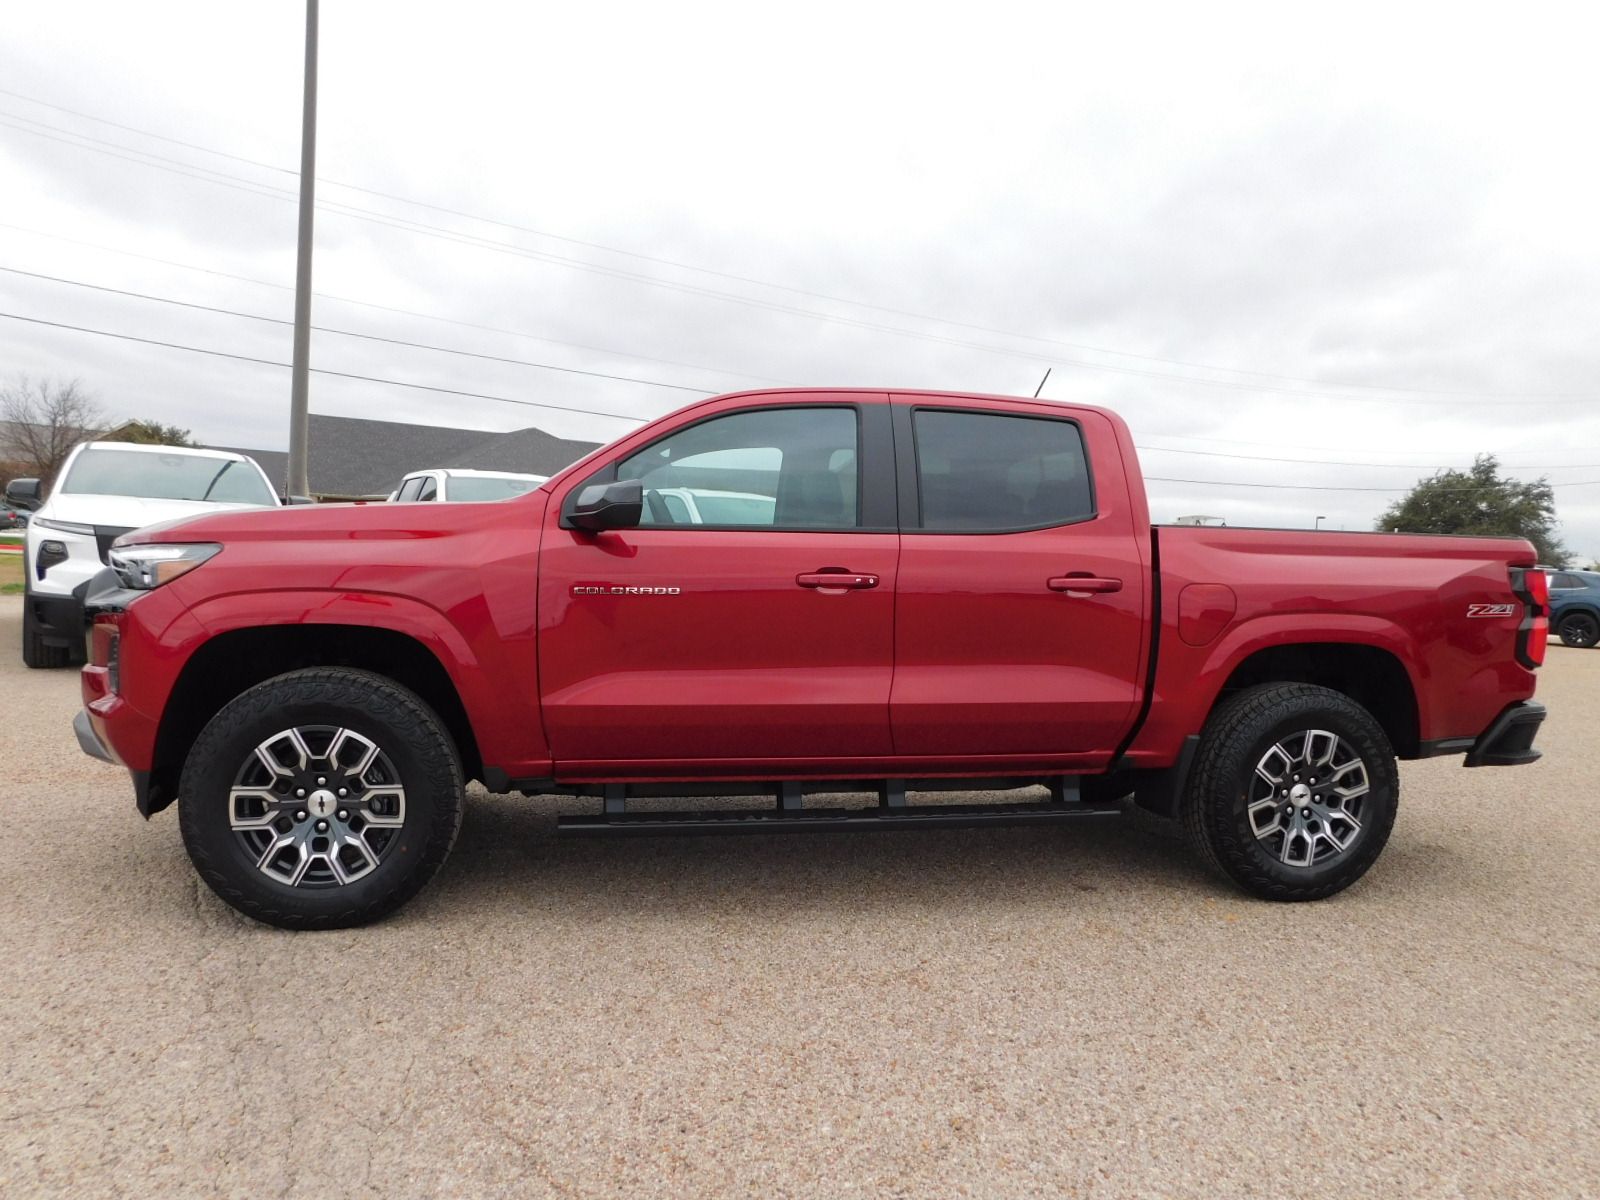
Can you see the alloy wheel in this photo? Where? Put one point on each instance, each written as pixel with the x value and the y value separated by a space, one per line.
pixel 1306 798
pixel 317 806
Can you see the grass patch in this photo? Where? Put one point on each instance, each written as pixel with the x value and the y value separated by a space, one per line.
pixel 10 574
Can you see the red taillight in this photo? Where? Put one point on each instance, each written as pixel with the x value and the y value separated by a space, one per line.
pixel 1532 587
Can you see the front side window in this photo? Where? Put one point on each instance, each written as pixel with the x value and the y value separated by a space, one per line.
pixel 990 472
pixel 781 468
pixel 106 472
pixel 430 489
pixel 408 491
pixel 1563 582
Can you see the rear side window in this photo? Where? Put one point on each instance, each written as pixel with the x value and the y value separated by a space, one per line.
pixel 990 472
pixel 1565 581
pixel 777 468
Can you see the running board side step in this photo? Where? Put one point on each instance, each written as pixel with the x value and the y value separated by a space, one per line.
pixel 831 820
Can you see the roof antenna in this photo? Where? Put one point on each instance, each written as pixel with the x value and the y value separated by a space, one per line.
pixel 1040 388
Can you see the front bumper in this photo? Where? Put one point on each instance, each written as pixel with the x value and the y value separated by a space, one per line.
pixel 1508 742
pixel 89 740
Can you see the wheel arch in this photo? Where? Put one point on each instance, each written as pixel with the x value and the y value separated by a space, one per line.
pixel 1371 676
pixel 230 663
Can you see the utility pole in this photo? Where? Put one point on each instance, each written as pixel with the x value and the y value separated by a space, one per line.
pixel 297 484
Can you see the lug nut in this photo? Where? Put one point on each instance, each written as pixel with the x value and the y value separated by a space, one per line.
pixel 344 791
pixel 299 791
pixel 321 779
pixel 344 814
pixel 1306 812
pixel 322 827
pixel 300 815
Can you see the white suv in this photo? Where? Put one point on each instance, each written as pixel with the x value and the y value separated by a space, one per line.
pixel 456 484
pixel 105 490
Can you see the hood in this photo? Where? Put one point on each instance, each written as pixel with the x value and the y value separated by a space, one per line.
pixel 127 512
pixel 337 522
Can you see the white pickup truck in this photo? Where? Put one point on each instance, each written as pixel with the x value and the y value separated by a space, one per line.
pixel 104 490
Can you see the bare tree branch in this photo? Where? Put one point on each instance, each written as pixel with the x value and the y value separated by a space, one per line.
pixel 40 422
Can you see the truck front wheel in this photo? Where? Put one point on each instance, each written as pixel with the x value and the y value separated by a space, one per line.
pixel 1293 791
pixel 321 799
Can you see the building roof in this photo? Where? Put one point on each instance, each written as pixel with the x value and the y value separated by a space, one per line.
pixel 356 456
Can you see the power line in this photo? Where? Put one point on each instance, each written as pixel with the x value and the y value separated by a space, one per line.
pixel 266 362
pixel 423 229
pixel 1334 462
pixel 211 308
pixel 387 308
pixel 641 420
pixel 734 277
pixel 1313 487
pixel 370 337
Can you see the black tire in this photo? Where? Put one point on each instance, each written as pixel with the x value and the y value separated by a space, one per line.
pixel 412 739
pixel 1579 630
pixel 36 654
pixel 1240 732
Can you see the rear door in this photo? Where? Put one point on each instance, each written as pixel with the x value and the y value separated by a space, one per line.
pixel 748 622
pixel 1022 594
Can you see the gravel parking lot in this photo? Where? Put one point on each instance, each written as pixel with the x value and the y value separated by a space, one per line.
pixel 1079 1011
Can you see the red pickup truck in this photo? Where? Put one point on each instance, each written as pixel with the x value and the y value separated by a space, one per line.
pixel 797 595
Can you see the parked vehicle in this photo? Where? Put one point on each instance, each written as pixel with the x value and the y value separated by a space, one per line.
pixel 948 591
pixel 106 489
pixel 13 518
pixel 455 484
pixel 1575 607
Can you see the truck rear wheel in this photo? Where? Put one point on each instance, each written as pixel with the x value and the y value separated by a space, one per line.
pixel 321 799
pixel 1293 791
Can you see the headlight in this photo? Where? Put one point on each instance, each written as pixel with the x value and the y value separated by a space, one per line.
pixel 149 566
pixel 65 526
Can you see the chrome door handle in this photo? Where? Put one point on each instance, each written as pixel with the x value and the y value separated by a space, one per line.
pixel 836 579
pixel 1084 585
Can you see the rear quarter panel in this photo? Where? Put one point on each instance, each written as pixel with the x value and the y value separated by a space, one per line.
pixel 1404 594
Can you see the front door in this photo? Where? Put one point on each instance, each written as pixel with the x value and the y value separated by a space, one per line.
pixel 748 622
pixel 1021 601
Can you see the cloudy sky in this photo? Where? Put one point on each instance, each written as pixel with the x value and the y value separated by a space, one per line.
pixel 1336 252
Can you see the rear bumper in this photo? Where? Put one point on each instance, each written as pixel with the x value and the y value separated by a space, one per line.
pixel 1508 742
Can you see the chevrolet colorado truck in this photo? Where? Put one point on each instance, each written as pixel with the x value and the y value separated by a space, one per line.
pixel 942 592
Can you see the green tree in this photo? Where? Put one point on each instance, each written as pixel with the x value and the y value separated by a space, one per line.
pixel 150 433
pixel 1480 501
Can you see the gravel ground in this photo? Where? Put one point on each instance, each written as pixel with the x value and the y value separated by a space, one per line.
pixel 1075 1012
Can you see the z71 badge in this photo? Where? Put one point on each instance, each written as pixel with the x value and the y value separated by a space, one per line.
pixel 1491 610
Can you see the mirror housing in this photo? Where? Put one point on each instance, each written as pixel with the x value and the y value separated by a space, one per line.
pixel 608 506
pixel 25 493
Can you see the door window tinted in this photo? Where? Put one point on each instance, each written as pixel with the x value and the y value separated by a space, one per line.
pixel 1565 581
pixel 990 472
pixel 782 468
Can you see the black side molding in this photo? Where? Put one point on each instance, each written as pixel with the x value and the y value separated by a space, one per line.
pixel 1508 742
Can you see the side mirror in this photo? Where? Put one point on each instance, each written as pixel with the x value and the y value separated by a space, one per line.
pixel 24 492
pixel 608 506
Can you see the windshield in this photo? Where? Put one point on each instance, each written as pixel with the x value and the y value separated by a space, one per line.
pixel 481 487
pixel 166 477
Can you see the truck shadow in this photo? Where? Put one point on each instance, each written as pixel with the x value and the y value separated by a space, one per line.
pixel 509 856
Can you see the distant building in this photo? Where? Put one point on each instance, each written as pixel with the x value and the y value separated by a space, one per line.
pixel 353 458
pixel 1199 519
